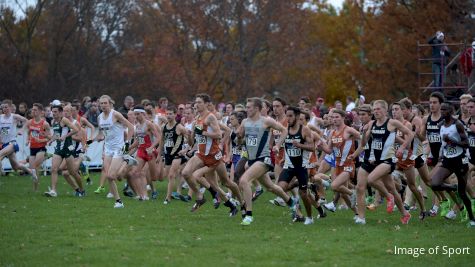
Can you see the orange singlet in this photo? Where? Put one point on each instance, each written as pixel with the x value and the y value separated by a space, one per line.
pixel 37 130
pixel 279 157
pixel 341 150
pixel 208 148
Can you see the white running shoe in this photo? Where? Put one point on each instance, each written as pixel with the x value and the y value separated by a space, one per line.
pixel 308 221
pixel 355 217
pixel 130 160
pixel 33 175
pixel 110 195
pixel 353 199
pixel 202 190
pixel 343 207
pixel 118 205
pixel 330 206
pixel 326 184
pixel 360 221
pixel 149 188
pixel 451 215
pixel 278 201
pixel 471 224
pixel 247 220
pixel 322 201
pixel 51 193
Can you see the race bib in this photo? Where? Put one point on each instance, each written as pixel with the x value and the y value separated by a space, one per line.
pixel 348 169
pixel 141 140
pixel 434 138
pixel 267 161
pixel 236 151
pixel 169 143
pixel 218 156
pixel 251 140
pixel 200 139
pixel 450 151
pixel 294 152
pixel 377 144
pixel 35 134
pixel 465 160
pixel 471 142
pixel 4 130
pixel 336 152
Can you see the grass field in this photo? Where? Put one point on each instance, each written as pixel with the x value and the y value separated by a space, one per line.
pixel 67 231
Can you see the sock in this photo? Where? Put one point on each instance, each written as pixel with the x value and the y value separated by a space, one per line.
pixel 258 188
pixel 118 200
pixel 214 194
pixel 320 211
pixel 249 213
pixel 229 204
pixel 289 202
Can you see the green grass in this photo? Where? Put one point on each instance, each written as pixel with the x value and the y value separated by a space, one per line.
pixel 67 231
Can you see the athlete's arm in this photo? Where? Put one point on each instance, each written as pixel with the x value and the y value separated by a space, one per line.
pixel 363 142
pixel 408 135
pixel 418 131
pixel 271 123
pixel 130 128
pixel 154 131
pixel 309 145
pixel 463 136
pixel 423 131
pixel 212 122
pixel 71 126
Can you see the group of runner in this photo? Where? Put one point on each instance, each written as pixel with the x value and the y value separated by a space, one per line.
pixel 366 156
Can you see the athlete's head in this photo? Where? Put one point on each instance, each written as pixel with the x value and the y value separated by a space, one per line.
pixel 140 113
pixel 171 114
pixel 396 111
pixel 36 110
pixel 266 107
pixel 446 109
pixel 278 106
pixel 304 118
pixel 6 106
pixel 57 112
pixel 471 107
pixel 380 109
pixel 364 113
pixel 75 109
pixel 293 115
pixel 253 106
pixel 201 102
pixel 106 103
pixel 406 105
pixel 229 108
pixel 463 103
pixel 67 111
pixel 435 100
pixel 236 118
pixel 338 117
pixel 189 114
pixel 131 116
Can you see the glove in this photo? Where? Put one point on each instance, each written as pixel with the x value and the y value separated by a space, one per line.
pixel 125 149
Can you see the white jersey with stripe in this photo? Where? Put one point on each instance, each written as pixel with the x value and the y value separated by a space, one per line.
pixel 7 128
pixel 113 131
pixel 451 150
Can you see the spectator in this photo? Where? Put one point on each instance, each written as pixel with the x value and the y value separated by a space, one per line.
pixel 162 106
pixel 467 61
pixel 180 112
pixel 86 102
pixel 338 105
pixel 440 53
pixel 361 101
pixel 320 109
pixel 350 104
pixel 128 105
pixel 303 102
pixel 92 113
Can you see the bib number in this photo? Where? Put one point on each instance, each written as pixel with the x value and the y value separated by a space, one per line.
pixel 434 138
pixel 141 140
pixel 169 143
pixel 4 130
pixel 294 152
pixel 201 140
pixel 377 144
pixel 218 156
pixel 471 142
pixel 451 151
pixel 251 140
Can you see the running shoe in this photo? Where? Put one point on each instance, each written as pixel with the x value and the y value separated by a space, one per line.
pixel 278 201
pixel 154 195
pixel 330 206
pixel 371 207
pixel 99 190
pixel 433 212
pixel 216 203
pixel 110 195
pixel 298 219
pixel 423 215
pixel 405 219
pixel 322 201
pixel 88 181
pixel 130 160
pixel 166 202
pixel 407 207
pixel 360 221
pixel 451 215
pixel 343 207
pixel 247 220
pixel 51 193
pixel 353 198
pixel 185 198
pixel 79 193
pixel 198 204
pixel 471 224
pixel 308 221
pixel 234 211
pixel 445 207
pixel 464 215
pixel 257 193
pixel 118 205
pixel 176 195
pixel 390 204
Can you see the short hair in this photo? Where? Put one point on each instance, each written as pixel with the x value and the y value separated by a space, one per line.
pixel 38 105
pixel 230 103
pixel 305 99
pixel 383 103
pixel 256 102
pixel 268 104
pixel 76 105
pixel 466 96
pixel 341 112
pixel 172 109
pixel 405 103
pixel 278 99
pixel 240 115
pixel 165 99
pixel 59 107
pixel 8 102
pixel 206 98
pixel 365 108
pixel 472 100
pixel 108 99
pixel 439 96
pixel 149 103
pixel 296 110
